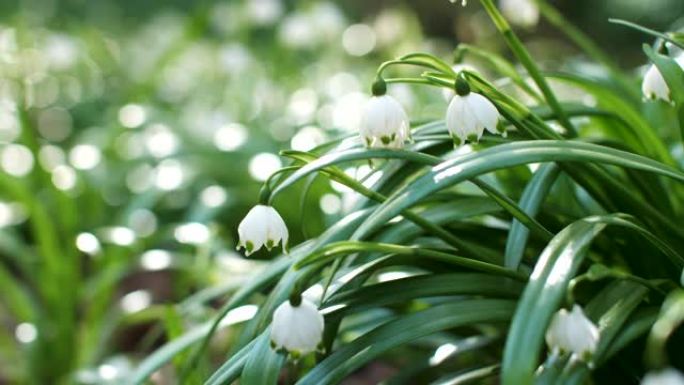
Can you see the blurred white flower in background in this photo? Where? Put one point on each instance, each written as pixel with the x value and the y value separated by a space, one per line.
pixel 132 115
pixel 524 13
pixel 61 51
pixel 16 159
pixel 262 165
pixel 264 12
pixel 230 137
pixel 668 376
pixel 296 31
pixel 358 39
pixel 308 138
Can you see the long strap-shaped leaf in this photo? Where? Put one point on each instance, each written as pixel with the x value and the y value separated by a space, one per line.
pixel 263 364
pixel 557 264
pixel 164 354
pixel 531 200
pixel 402 330
pixel 508 155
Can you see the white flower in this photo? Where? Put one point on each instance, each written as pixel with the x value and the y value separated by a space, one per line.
pixel 667 376
pixel 572 332
pixel 524 13
pixel 262 226
pixel 297 328
pixel 469 114
pixel 654 86
pixel 384 122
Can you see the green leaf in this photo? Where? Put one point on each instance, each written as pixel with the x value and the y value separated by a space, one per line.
pixel 232 368
pixel 263 364
pixel 542 297
pixel 532 198
pixel 167 352
pixel 406 289
pixel 462 168
pixel 402 330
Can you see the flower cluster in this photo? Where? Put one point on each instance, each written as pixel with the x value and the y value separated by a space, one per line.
pixel 469 114
pixel 572 332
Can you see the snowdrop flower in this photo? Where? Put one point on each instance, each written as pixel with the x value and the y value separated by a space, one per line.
pixel 297 326
pixel 654 86
pixel 469 114
pixel 572 331
pixel 667 376
pixel 524 13
pixel 262 226
pixel 384 122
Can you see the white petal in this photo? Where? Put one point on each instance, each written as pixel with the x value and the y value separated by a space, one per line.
pixel 456 119
pixel 486 112
pixel 521 12
pixel 667 376
pixel 654 86
pixel 384 117
pixel 298 328
pixel 276 228
pixel 253 228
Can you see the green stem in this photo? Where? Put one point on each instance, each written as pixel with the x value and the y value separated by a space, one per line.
pixel 526 60
pixel 331 251
pixel 647 31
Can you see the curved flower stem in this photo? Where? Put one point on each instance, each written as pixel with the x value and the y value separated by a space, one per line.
pixel 526 60
pixel 438 231
pixel 647 31
pixel 435 61
pixel 501 66
pixel 331 251
pixel 418 63
pixel 265 191
pixel 411 81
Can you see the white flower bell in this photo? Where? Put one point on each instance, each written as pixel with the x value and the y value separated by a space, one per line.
pixel 572 331
pixel 262 226
pixel 667 376
pixel 469 114
pixel 297 326
pixel 654 85
pixel 524 13
pixel 384 122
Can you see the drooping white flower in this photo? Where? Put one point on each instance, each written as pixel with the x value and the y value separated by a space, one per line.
pixel 469 114
pixel 654 85
pixel 524 13
pixel 262 226
pixel 573 332
pixel 667 376
pixel 384 122
pixel 297 327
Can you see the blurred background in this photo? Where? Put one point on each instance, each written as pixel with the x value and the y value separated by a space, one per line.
pixel 134 136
